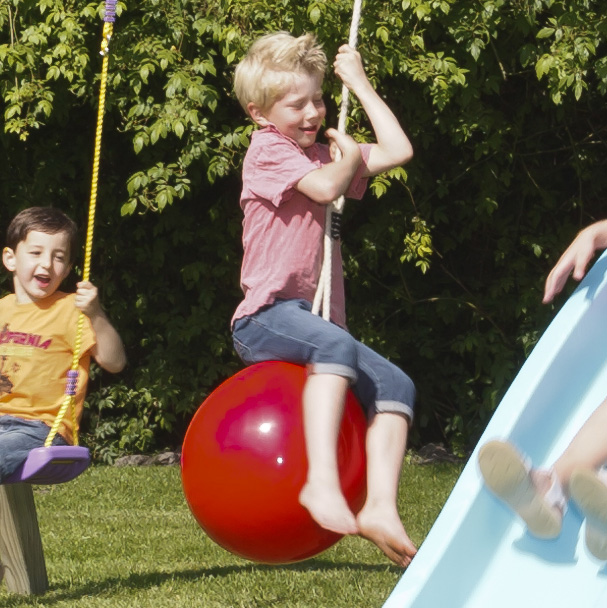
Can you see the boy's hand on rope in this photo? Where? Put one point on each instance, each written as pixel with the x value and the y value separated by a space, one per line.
pixel 327 183
pixel 108 350
pixel 343 146
pixel 349 67
pixel 87 299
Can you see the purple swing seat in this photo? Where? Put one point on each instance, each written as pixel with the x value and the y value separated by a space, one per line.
pixel 51 465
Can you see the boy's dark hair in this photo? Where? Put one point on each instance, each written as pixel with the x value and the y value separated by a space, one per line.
pixel 49 220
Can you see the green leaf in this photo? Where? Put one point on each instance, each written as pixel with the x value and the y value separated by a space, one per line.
pixel 546 32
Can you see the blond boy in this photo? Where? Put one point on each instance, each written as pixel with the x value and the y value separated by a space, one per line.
pixel 288 179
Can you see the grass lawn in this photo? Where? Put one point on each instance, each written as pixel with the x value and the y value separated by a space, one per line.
pixel 124 538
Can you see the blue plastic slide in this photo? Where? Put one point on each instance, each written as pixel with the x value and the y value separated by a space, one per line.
pixel 478 554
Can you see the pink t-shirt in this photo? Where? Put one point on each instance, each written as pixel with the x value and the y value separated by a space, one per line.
pixel 282 228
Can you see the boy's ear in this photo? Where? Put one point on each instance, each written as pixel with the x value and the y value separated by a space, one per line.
pixel 256 113
pixel 8 259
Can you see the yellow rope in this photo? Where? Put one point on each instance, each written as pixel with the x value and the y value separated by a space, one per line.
pixel 69 401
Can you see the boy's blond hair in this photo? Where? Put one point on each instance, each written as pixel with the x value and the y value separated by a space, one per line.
pixel 266 71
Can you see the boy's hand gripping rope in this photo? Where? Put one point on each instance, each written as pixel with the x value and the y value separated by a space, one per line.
pixel 335 209
pixel 72 375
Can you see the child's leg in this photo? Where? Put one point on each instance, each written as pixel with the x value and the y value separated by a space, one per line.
pixel 589 491
pixel 288 331
pixel 535 495
pixel 588 449
pixel 379 520
pixel 577 468
pixel 323 404
pixel 17 437
pixel 388 395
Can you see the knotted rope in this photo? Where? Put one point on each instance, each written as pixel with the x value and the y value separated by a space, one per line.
pixel 335 209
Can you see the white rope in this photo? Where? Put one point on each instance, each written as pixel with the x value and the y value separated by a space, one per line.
pixel 323 290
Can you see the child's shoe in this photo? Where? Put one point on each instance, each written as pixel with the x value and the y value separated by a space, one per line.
pixel 510 478
pixel 589 491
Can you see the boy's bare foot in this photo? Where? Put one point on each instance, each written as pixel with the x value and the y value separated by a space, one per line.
pixel 328 509
pixel 383 527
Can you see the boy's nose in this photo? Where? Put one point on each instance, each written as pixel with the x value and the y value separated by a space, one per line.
pixel 312 110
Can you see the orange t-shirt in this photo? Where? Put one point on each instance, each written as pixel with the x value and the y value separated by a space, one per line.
pixel 36 350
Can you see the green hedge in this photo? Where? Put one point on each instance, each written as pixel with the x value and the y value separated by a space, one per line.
pixel 503 101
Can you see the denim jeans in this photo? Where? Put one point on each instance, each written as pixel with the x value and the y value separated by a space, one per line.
pixel 288 331
pixel 17 437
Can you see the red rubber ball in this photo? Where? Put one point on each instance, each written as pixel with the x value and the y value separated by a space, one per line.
pixel 244 463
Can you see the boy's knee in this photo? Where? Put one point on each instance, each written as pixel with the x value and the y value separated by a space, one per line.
pixel 408 389
pixel 338 348
pixel 401 397
pixel 336 355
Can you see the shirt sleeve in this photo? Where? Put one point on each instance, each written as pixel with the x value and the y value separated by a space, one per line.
pixel 358 185
pixel 276 169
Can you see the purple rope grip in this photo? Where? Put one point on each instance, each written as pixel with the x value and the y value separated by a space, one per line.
pixel 72 382
pixel 110 11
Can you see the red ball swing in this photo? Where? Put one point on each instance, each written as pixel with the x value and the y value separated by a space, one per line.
pixel 244 464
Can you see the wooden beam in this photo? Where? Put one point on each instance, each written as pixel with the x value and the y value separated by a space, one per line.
pixel 21 549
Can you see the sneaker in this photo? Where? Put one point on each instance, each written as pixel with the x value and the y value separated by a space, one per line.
pixel 508 475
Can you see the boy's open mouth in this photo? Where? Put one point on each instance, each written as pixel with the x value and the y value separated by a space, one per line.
pixel 43 281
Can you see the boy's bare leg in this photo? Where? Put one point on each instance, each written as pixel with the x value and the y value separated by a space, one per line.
pixel 578 468
pixel 323 404
pixel 379 521
pixel 587 450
